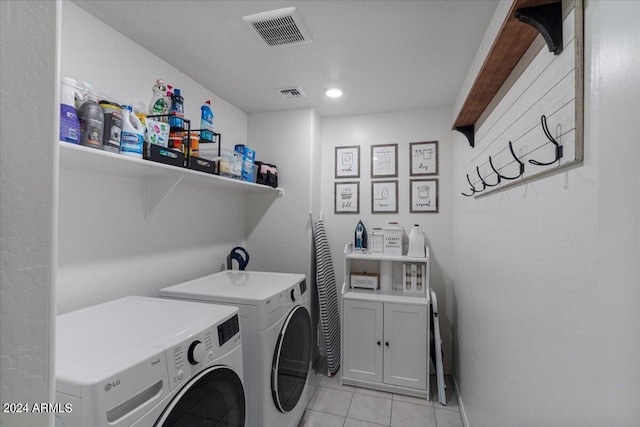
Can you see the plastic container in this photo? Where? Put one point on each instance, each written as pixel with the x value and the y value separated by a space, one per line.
pixel 91 120
pixel 206 122
pixel 69 123
pixel 416 242
pixel 112 126
pixel 194 147
pixel 177 110
pixel 176 139
pixel 132 142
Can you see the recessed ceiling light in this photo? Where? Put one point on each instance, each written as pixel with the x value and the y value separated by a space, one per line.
pixel 333 92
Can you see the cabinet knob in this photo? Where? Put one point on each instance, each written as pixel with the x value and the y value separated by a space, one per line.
pixel 379 343
pixel 387 343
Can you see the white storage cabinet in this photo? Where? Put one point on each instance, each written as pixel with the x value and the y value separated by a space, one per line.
pixel 385 342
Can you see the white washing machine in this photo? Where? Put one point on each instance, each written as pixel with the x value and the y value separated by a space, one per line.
pixel 276 338
pixel 145 362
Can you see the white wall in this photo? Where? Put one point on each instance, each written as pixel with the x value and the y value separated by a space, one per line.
pixel 401 128
pixel 280 240
pixel 107 248
pixel 545 278
pixel 28 159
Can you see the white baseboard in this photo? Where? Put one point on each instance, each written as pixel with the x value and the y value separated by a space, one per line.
pixel 463 414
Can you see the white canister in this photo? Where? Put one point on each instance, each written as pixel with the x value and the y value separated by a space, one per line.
pixel 416 242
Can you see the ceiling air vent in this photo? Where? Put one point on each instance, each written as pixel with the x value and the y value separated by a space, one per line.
pixel 281 27
pixel 292 92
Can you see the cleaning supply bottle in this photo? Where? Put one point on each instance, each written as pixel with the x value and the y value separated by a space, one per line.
pixel 69 124
pixel 177 110
pixel 132 133
pixel 91 120
pixel 159 101
pixel 416 242
pixel 206 122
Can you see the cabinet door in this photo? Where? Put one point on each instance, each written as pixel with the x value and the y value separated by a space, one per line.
pixel 405 345
pixel 362 340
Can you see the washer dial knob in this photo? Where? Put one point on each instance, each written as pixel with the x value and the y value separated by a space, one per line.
pixel 196 352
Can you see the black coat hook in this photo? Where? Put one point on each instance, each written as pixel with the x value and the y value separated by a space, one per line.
pixel 500 176
pixel 473 188
pixel 559 148
pixel 484 182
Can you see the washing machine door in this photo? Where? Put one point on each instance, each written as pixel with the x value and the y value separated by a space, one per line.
pixel 291 359
pixel 215 397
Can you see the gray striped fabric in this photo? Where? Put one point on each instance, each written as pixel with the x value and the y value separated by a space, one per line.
pixel 328 298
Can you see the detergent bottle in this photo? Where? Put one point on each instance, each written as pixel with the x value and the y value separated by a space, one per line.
pixel 69 124
pixel 132 133
pixel 206 122
pixel 177 110
pixel 159 101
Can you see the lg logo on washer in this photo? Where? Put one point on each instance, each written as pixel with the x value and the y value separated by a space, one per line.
pixel 109 386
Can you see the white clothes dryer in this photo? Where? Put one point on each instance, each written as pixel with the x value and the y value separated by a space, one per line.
pixel 276 338
pixel 144 362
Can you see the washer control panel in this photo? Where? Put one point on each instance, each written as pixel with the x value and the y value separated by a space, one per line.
pixel 185 358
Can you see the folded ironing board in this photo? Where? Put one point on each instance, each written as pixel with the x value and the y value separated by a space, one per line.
pixel 328 298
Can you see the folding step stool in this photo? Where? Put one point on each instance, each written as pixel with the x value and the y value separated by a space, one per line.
pixel 436 348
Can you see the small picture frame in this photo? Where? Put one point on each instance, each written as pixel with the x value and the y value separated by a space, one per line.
pixel 348 162
pixel 384 161
pixel 424 158
pixel 347 197
pixel 423 195
pixel 384 197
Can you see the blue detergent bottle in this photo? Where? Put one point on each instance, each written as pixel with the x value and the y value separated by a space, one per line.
pixel 206 122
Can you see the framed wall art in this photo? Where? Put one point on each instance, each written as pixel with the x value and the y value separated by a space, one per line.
pixel 384 197
pixel 424 158
pixel 423 195
pixel 348 162
pixel 384 161
pixel 347 197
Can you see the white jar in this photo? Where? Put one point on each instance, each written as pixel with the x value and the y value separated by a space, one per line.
pixel 416 242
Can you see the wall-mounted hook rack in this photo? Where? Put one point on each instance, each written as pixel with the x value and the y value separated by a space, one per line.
pixel 521 165
pixel 558 147
pixel 473 188
pixel 547 19
pixel 485 182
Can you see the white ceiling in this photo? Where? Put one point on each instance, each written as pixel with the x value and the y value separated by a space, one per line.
pixel 387 55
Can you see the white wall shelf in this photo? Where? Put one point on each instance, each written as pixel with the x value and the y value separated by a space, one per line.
pixel 161 179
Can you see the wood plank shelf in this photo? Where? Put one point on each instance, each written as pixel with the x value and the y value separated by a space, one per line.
pixel 511 43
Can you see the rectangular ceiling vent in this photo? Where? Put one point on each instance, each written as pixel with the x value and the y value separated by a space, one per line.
pixel 292 92
pixel 281 27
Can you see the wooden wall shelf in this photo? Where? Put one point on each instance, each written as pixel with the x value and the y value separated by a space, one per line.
pixel 512 41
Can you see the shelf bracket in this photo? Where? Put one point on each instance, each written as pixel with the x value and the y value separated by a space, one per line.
pixel 547 19
pixel 468 132
pixel 158 188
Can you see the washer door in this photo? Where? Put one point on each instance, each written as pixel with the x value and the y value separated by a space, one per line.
pixel 291 360
pixel 215 397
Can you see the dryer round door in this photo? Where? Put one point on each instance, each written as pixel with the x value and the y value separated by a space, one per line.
pixel 214 397
pixel 291 360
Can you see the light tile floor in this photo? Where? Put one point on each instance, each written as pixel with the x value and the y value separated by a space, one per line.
pixel 334 405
